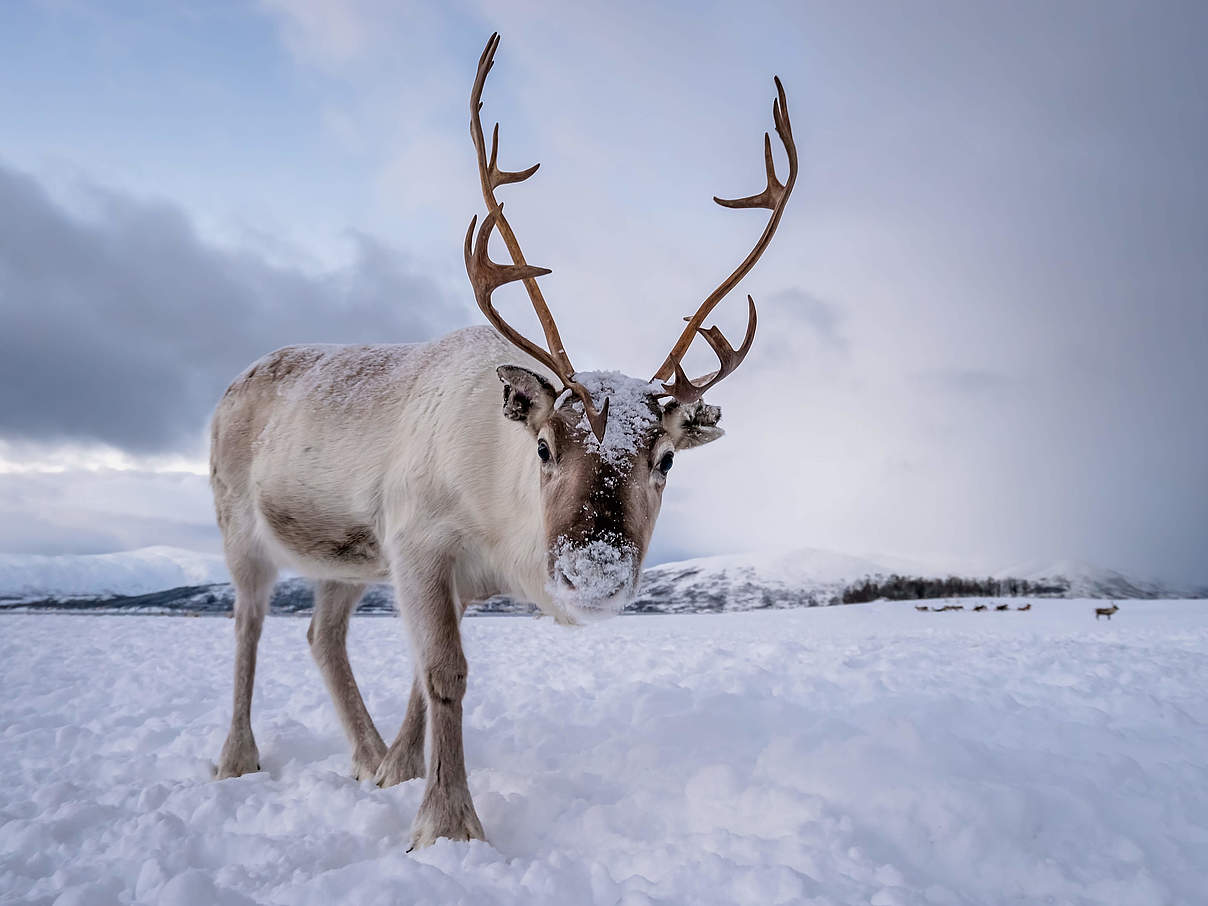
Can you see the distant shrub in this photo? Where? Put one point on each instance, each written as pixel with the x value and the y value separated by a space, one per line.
pixel 914 588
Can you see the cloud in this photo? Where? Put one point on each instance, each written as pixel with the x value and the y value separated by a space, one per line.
pixel 123 327
pixel 327 32
pixel 982 325
pixel 95 511
pixel 796 321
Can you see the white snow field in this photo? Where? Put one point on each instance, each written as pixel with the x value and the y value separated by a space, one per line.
pixel 866 754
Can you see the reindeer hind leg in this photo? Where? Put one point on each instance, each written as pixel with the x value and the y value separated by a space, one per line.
pixel 328 638
pixel 405 759
pixel 253 576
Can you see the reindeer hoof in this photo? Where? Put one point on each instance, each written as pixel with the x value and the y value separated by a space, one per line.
pixel 445 813
pixel 399 768
pixel 366 760
pixel 239 756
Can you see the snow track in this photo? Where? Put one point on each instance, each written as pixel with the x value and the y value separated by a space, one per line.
pixel 867 754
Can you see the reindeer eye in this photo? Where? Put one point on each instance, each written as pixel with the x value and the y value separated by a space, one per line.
pixel 543 450
pixel 666 462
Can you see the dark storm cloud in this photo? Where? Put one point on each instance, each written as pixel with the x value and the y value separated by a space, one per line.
pixel 124 327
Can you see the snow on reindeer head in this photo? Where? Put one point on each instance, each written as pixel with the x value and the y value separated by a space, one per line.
pixel 605 442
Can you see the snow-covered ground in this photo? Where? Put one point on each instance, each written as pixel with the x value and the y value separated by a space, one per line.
pixel 867 754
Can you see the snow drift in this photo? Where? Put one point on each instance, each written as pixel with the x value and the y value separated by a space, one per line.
pixel 841 755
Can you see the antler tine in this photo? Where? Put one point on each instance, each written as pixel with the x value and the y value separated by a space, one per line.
pixel 770 196
pixel 487 275
pixel 688 391
pixel 503 177
pixel 774 197
pixel 478 261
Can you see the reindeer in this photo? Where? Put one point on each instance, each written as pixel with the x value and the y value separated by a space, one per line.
pixel 361 464
pixel 1106 612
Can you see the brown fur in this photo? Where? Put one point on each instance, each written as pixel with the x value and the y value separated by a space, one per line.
pixel 322 538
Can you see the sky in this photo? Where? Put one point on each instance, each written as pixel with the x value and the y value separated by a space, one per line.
pixel 983 320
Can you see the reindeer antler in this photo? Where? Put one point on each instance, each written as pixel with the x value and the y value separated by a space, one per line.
pixel 486 275
pixel 773 198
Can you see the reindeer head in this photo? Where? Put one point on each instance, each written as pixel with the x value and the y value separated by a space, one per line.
pixel 604 443
pixel 601 496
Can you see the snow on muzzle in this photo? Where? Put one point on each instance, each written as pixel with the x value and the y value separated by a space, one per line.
pixel 593 580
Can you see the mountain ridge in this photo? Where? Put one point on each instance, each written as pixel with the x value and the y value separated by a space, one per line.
pixel 172 580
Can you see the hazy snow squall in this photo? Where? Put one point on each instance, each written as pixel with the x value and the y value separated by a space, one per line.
pixel 867 754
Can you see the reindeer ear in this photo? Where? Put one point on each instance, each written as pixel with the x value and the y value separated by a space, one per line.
pixel 692 425
pixel 527 396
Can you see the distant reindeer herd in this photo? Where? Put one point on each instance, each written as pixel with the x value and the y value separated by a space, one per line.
pixel 923 608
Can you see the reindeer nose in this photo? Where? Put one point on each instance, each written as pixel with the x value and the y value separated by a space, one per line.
pixel 592 581
pixel 591 573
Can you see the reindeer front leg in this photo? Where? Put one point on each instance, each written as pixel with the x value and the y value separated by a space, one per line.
pixel 428 603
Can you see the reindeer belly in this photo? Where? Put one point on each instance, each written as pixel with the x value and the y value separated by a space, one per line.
pixel 321 540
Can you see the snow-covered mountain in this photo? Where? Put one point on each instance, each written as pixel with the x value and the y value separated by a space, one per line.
pixel 163 579
pixel 1084 580
pixel 805 577
pixel 812 577
pixel 137 572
